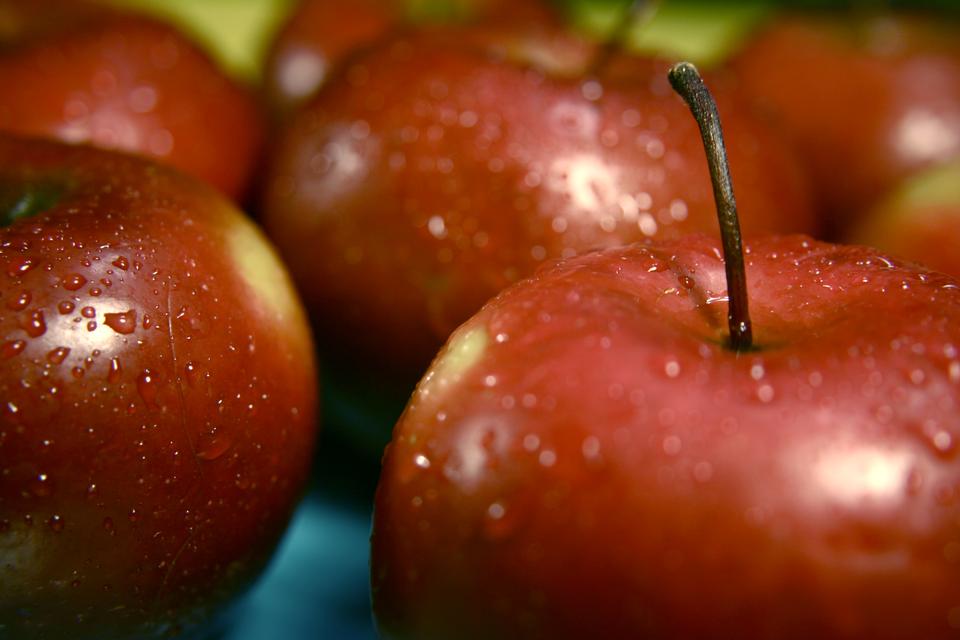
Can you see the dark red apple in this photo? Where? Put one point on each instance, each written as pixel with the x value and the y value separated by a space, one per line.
pixel 158 396
pixel 431 173
pixel 79 72
pixel 590 457
pixel 920 220
pixel 320 34
pixel 867 99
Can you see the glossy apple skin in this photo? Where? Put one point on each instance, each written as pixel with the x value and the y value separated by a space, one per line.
pixel 867 100
pixel 320 34
pixel 431 174
pixel 587 459
pixel 159 399
pixel 82 73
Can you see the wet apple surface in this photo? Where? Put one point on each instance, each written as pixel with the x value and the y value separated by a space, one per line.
pixel 159 397
pixel 587 457
pixel 431 174
pixel 627 444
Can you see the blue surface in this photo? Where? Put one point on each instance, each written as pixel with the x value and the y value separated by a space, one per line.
pixel 318 583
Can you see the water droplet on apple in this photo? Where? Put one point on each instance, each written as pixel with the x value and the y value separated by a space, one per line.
pixel 22 266
pixel 498 521
pixel 547 458
pixel 73 282
pixel 114 372
pixel 65 307
pixel 20 302
pixel 147 387
pixel 191 373
pixel 672 445
pixel 88 312
pixel 11 348
pixel 41 486
pixel 34 324
pixel 124 323
pixel 121 263
pixel 421 461
pixel 55 523
pixel 531 442
pixel 213 447
pixel 765 393
pixel 108 526
pixel 590 447
pixel 58 355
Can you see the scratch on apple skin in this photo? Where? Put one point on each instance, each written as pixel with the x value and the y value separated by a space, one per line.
pixel 173 563
pixel 179 381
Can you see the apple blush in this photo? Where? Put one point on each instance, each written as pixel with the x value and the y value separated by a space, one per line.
pixel 595 455
pixel 83 72
pixel 440 167
pixel 157 397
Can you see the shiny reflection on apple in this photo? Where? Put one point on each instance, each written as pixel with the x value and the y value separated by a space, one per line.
pixel 79 336
pixel 845 471
pixel 590 183
pixel 479 443
pixel 923 135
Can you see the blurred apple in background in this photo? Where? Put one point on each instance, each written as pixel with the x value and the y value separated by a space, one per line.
pixel 702 31
pixel 320 34
pixel 235 32
pixel 158 397
pixel 82 72
pixel 438 168
pixel 920 221
pixel 869 98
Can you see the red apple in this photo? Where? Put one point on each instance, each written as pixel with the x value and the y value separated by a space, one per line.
pixel 589 457
pixel 158 396
pixel 320 34
pixel 867 99
pixel 79 72
pixel 430 174
pixel 919 221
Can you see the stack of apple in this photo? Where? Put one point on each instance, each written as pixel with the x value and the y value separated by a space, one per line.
pixel 610 445
pixel 589 456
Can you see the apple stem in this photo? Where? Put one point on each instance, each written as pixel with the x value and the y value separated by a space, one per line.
pixel 686 81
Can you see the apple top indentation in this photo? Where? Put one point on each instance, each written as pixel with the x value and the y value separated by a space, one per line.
pixel 21 200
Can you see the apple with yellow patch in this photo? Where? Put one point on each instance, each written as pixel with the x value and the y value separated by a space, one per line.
pixel 920 220
pixel 158 396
